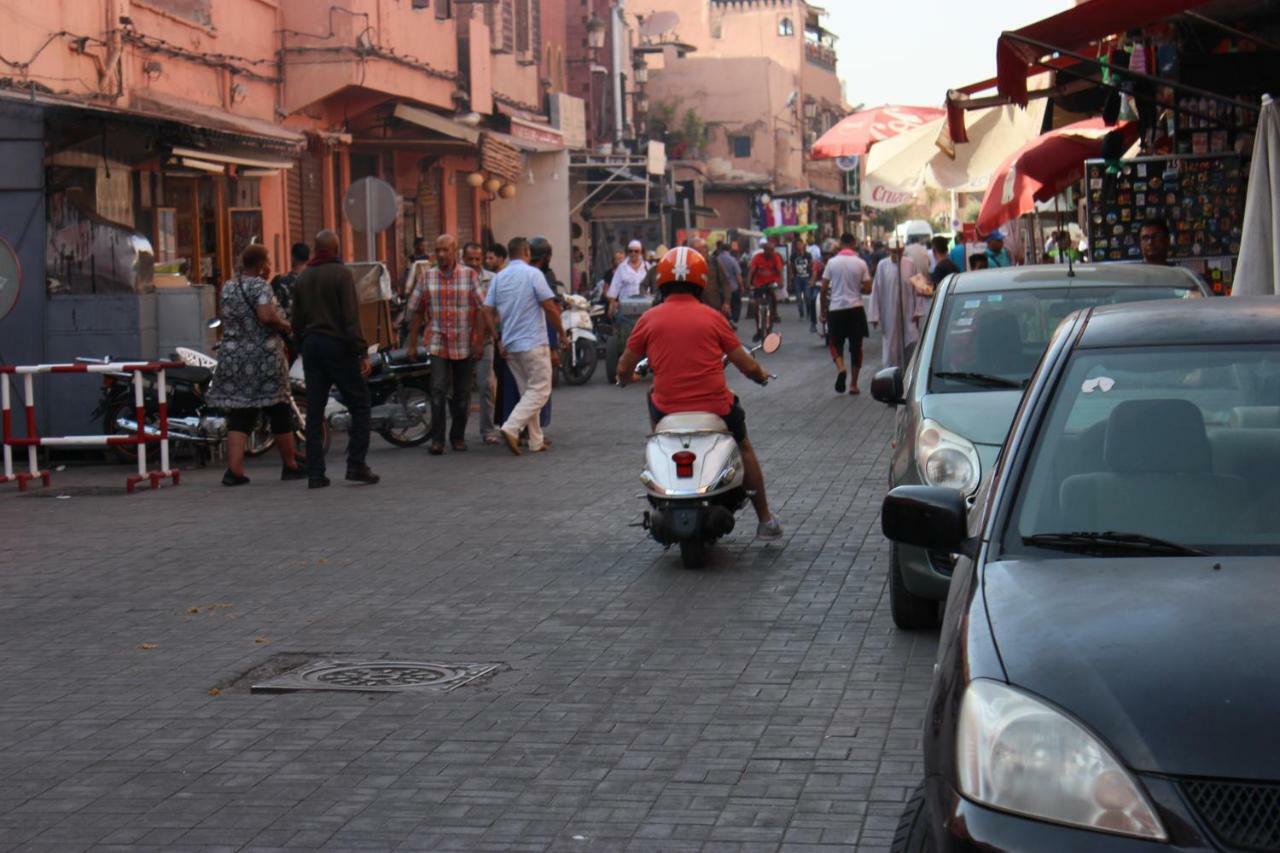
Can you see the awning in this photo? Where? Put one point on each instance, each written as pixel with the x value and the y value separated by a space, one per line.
pixel 436 122
pixel 532 146
pixel 1071 30
pixel 170 108
pixel 222 159
pixel 824 195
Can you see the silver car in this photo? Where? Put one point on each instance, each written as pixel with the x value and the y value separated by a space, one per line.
pixel 984 335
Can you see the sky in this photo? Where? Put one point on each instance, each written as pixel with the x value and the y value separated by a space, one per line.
pixel 884 60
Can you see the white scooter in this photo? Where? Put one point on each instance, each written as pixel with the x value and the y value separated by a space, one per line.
pixel 579 364
pixel 693 477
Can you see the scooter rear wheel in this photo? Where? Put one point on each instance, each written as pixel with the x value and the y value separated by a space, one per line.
pixel 693 553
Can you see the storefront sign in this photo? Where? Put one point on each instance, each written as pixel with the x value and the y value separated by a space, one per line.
pixel 569 115
pixel 533 132
pixel 10 278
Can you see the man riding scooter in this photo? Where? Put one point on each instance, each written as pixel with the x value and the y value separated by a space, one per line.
pixel 686 343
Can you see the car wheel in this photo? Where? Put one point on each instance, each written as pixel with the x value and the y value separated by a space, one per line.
pixel 912 834
pixel 910 611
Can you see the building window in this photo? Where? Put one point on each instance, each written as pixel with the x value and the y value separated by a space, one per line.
pixel 197 11
pixel 421 4
pixel 786 28
pixel 741 146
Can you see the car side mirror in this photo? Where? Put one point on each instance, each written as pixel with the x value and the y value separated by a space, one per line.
pixel 929 517
pixel 886 386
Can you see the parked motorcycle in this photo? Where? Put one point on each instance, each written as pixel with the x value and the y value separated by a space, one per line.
pixel 579 363
pixel 191 420
pixel 693 478
pixel 399 396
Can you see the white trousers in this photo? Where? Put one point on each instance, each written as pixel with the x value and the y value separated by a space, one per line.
pixel 532 370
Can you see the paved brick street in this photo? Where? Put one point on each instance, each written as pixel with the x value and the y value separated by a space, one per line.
pixel 765 703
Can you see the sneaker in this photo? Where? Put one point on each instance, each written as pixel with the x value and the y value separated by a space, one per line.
pixel 230 479
pixel 317 482
pixel 362 475
pixel 513 442
pixel 771 529
pixel 841 378
pixel 293 474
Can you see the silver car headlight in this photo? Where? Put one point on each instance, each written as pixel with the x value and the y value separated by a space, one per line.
pixel 946 459
pixel 1017 754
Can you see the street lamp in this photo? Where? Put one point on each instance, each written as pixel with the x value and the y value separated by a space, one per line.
pixel 640 71
pixel 595 33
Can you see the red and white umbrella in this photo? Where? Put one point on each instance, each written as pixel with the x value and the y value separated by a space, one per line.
pixel 1043 168
pixel 855 133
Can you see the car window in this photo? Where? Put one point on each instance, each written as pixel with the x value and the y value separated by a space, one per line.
pixel 1178 444
pixel 989 341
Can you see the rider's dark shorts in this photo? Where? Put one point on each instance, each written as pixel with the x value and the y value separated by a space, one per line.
pixel 736 420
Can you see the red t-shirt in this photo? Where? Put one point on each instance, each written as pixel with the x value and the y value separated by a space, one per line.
pixel 685 342
pixel 767 269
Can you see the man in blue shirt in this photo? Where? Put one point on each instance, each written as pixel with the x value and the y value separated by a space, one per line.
pixel 521 301
pixel 997 254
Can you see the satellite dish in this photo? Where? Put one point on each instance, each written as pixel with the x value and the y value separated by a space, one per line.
pixel 791 99
pixel 659 23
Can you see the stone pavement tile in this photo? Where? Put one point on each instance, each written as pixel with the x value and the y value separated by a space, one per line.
pixel 747 706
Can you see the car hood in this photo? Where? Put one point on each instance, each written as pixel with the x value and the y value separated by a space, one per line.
pixel 1173 662
pixel 983 417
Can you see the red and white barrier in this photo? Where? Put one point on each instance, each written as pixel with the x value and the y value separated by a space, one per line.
pixel 139 439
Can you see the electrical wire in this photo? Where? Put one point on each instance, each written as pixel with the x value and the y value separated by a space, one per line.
pixel 83 40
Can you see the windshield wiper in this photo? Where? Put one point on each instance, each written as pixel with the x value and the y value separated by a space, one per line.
pixel 1110 542
pixel 987 380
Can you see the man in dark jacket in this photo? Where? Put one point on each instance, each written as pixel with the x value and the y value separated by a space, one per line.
pixel 716 294
pixel 326 320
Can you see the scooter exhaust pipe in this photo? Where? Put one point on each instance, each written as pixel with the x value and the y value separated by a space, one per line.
pixel 178 431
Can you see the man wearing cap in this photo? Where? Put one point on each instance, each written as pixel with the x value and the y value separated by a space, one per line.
pixel 997 254
pixel 628 278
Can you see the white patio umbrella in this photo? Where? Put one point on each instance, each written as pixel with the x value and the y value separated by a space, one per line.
pixel 1258 271
pixel 914 160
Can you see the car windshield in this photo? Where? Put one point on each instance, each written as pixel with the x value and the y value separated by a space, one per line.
pixel 1157 451
pixel 993 340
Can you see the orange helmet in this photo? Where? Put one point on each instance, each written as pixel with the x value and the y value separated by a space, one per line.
pixel 682 264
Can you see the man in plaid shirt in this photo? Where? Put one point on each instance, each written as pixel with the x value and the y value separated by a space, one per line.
pixel 447 299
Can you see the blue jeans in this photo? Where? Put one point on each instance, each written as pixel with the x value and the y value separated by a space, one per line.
pixel 801 288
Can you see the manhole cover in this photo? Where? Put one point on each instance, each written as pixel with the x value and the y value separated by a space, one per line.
pixel 376 676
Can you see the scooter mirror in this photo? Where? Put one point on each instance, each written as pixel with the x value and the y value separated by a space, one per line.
pixel 772 342
pixel 214 323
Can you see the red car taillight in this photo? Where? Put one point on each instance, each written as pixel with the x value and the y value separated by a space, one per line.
pixel 684 463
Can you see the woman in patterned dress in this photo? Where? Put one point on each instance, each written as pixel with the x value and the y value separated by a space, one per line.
pixel 252 376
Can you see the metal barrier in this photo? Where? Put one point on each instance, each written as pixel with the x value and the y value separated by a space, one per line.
pixel 139 439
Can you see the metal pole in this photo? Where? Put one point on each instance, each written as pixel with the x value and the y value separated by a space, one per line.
pixel 370 238
pixel 902 320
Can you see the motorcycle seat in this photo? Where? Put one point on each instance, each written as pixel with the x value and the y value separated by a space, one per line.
pixel 401 356
pixel 685 422
pixel 194 375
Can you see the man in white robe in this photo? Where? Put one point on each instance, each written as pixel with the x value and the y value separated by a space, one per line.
pixel 894 304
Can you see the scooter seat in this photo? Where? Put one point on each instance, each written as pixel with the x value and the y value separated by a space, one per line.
pixel 400 357
pixel 691 422
pixel 189 373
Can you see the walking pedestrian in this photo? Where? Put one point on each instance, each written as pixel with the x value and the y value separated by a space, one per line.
pixel 520 300
pixel 252 377
pixel 540 258
pixel 893 305
pixel 997 254
pixel 282 285
pixel 445 300
pixel 716 294
pixel 801 273
pixel 730 272
pixel 495 258
pixel 629 277
pixel 326 320
pixel 473 255
pixel 845 281
pixel 943 266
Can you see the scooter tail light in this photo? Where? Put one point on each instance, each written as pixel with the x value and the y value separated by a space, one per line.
pixel 684 463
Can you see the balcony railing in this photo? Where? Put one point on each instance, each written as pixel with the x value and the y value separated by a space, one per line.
pixel 820 55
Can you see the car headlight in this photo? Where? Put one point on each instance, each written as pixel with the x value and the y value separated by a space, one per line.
pixel 946 459
pixel 1018 754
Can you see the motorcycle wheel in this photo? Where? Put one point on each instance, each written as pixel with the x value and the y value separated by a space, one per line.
pixel 261 439
pixel 611 355
pixel 585 355
pixel 300 429
pixel 693 553
pixel 413 398
pixel 123 409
